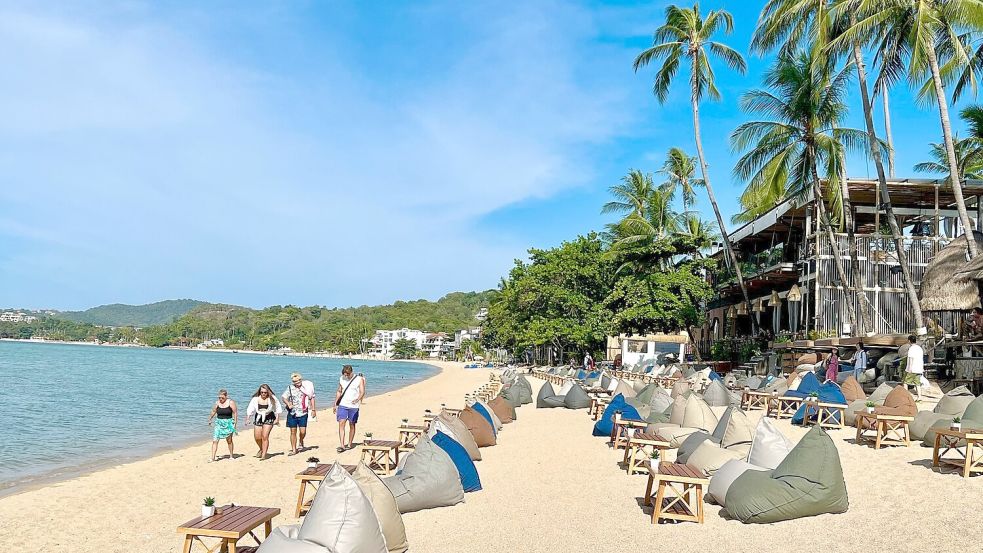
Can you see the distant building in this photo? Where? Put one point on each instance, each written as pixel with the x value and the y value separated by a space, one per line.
pixel 213 343
pixel 16 317
pixel 381 344
pixel 437 345
pixel 460 336
pixel 482 314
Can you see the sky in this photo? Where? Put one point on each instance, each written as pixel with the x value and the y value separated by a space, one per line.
pixel 333 153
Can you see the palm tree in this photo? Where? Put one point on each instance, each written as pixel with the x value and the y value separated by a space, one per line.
pixel 973 116
pixel 969 154
pixel 806 108
pixel 632 195
pixel 636 237
pixel 679 170
pixel 687 35
pixel 703 234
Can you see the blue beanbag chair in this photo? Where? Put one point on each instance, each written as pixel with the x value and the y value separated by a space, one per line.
pixel 605 425
pixel 465 466
pixel 594 374
pixel 484 413
pixel 581 374
pixel 807 385
pixel 715 376
pixel 828 393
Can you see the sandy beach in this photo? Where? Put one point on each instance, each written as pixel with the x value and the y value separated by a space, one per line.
pixel 548 486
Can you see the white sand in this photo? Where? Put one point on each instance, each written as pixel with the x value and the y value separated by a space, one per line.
pixel 548 486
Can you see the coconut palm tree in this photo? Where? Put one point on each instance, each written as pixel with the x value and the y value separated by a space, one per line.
pixel 687 36
pixel 803 137
pixel 969 154
pixel 679 170
pixel 702 233
pixel 632 195
pixel 973 116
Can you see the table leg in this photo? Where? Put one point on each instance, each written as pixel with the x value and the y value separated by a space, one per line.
pixel 879 426
pixel 188 542
pixel 648 491
pixel 228 545
pixel 300 498
pixel 699 502
pixel 659 498
pixel 268 528
pixel 935 451
pixel 968 464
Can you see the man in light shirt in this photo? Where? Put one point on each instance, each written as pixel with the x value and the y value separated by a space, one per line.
pixel 859 361
pixel 914 366
pixel 299 399
pixel 348 400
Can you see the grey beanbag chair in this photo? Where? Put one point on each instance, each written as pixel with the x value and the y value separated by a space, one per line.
pixel 725 476
pixel 808 482
pixel 512 396
pixel 952 404
pixel 427 480
pixel 525 390
pixel 972 417
pixel 545 391
pixel 576 398
pixel 717 395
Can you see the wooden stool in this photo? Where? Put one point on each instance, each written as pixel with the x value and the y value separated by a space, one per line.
pixel 888 429
pixel 684 485
pixel 783 407
pixel 828 415
pixel 636 455
pixel 409 434
pixel 755 400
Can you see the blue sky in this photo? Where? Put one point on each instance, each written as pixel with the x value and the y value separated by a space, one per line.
pixel 334 153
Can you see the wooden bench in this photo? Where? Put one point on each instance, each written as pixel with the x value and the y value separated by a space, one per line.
pixel 887 429
pixel 969 461
pixel 637 456
pixel 312 477
pixel 680 492
pixel 234 523
pixel 382 456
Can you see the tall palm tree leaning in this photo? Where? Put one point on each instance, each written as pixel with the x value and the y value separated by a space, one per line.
pixel 687 34
pixel 806 106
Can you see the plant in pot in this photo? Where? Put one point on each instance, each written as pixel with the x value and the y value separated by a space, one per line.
pixel 406 422
pixel 312 462
pixel 368 436
pixel 654 459
pixel 208 507
pixel 813 396
pixel 870 406
pixel 957 423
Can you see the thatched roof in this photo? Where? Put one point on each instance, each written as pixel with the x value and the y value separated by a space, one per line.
pixel 946 285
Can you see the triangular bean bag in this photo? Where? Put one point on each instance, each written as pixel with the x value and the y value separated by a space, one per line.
pixel 725 476
pixel 808 482
pixel 465 467
pixel 605 424
pixel 502 409
pixel 692 442
pixel 808 383
pixel 680 388
pixel 852 390
pixel 613 385
pixel 428 479
pixel 714 375
pixel 638 386
pixel 488 412
pixel 580 374
pixel 478 426
pixel 738 432
pixel 954 402
pixel 644 394
pixel 384 505
pixel 717 395
pixel 545 391
pixel 511 396
pixel 624 389
pixel 341 518
pixel 605 381
pixel 565 388
pixel 828 393
pixel 660 400
pixel 974 411
pixel 697 416
pixel 576 398
pixel 769 446
pixel 972 417
pixel 753 382
pixel 453 427
pixel 899 402
pixel 923 423
pixel 880 393
pixel 709 457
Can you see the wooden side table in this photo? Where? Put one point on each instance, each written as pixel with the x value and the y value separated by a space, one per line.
pixel 752 399
pixel 620 430
pixel 409 434
pixel 828 415
pixel 783 407
pixel 228 528
pixel 887 429
pixel 636 454
pixel 382 456
pixel 969 461
pixel 680 492
pixel 311 478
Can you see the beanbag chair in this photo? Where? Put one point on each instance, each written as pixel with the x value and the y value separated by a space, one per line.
pixel 487 411
pixel 567 386
pixel 580 374
pixel 453 427
pixel 730 380
pixel 465 467
pixel 613 385
pixel 753 382
pixel 722 479
pixel 714 375
pixel 605 425
pixel 807 358
pixel 625 389
pixel 769 446
pixel 478 426
pixel 696 416
pixel 680 388
pixel 717 395
pixel 341 518
pixel 605 380
pixel 808 482
pixel 525 389
pixel 428 479
pixel 511 396
pixel 828 393
pixel 972 417
pixel 899 402
pixel 709 457
pixel 545 391
pixel 576 398
pixel 807 384
pixel 877 397
pixel 502 409
pixel 778 385
pixel 852 390
pixel 954 402
pixel 384 505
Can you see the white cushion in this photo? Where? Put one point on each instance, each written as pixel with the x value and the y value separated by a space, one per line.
pixel 769 446
pixel 722 479
pixel 341 517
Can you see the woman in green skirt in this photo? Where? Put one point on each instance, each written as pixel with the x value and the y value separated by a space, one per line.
pixel 225 414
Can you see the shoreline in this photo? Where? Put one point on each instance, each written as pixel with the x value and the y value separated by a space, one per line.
pixel 57 476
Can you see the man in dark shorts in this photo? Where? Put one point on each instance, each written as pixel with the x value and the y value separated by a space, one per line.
pixel 299 399
pixel 348 399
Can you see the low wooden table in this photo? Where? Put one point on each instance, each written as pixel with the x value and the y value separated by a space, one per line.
pixel 454 412
pixel 685 485
pixel 887 429
pixel 381 456
pixel 752 399
pixel 828 415
pixel 781 407
pixel 312 477
pixel 636 454
pixel 971 461
pixel 229 527
pixel 409 434
pixel 619 432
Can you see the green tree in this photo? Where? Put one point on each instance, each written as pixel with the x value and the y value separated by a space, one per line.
pixel 968 153
pixel 679 170
pixel 404 348
pixel 686 34
pixel 632 195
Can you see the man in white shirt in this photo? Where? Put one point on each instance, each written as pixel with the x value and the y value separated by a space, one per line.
pixel 914 366
pixel 348 399
pixel 299 399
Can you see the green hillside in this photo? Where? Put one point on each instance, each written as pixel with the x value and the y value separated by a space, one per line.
pixel 118 314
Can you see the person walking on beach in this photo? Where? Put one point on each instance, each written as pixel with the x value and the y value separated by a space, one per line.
pixel 299 399
pixel 225 414
pixel 265 411
pixel 859 361
pixel 833 365
pixel 348 399
pixel 914 367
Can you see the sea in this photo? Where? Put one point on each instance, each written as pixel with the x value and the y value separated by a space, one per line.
pixel 68 409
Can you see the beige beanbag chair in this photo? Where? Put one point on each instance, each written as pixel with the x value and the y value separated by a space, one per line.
pixel 852 390
pixel 624 389
pixel 502 409
pixel 384 505
pixel 452 426
pixel 709 457
pixel 680 388
pixel 769 446
pixel 697 416
pixel 478 426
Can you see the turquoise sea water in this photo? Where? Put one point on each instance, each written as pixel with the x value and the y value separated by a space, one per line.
pixel 71 408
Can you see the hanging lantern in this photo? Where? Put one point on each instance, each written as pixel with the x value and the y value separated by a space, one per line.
pixel 794 294
pixel 774 301
pixel 759 305
pixel 731 312
pixel 742 308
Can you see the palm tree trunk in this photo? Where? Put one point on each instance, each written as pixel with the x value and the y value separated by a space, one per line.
pixel 728 248
pixel 696 347
pixel 955 177
pixel 834 245
pixel 887 132
pixel 875 152
pixel 862 301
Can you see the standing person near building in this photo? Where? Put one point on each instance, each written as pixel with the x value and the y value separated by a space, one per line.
pixel 914 366
pixel 833 365
pixel 348 399
pixel 299 399
pixel 587 361
pixel 859 361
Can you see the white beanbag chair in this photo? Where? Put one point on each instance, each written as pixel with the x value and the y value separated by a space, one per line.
pixel 722 479
pixel 427 479
pixel 770 446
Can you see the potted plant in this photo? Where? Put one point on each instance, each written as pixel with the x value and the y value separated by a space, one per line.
pixel 814 396
pixel 312 462
pixel 406 422
pixel 956 423
pixel 870 406
pixel 654 460
pixel 427 412
pixel 443 406
pixel 208 507
pixel 368 436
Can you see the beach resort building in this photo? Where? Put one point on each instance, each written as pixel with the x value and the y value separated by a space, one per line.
pixel 16 317
pixel 381 343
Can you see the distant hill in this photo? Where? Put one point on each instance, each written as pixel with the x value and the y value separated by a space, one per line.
pixel 118 314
